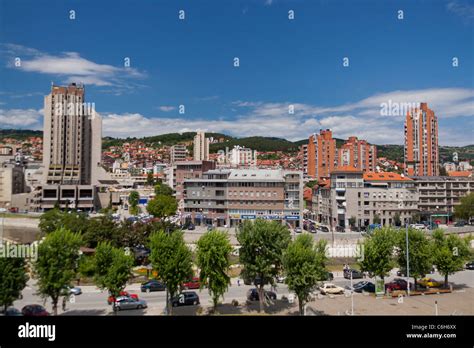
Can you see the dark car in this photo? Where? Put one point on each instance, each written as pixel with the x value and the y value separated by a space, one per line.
pixel 152 285
pixel 323 229
pixel 12 312
pixel 460 223
pixel 364 286
pixel 252 295
pixel 186 298
pixel 396 284
pixel 34 311
pixel 355 274
pixel 470 265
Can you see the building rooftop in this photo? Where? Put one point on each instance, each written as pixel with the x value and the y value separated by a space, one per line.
pixel 343 169
pixel 461 173
pixel 385 176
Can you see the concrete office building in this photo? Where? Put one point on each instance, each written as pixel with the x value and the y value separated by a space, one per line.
pixel 229 196
pixel 178 153
pixel 12 181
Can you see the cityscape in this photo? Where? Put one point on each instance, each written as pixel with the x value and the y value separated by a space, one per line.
pixel 228 193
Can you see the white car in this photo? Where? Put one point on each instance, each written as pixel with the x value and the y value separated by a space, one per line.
pixel 329 288
pixel 3 210
pixel 418 226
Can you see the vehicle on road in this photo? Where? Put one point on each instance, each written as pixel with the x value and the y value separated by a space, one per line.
pixel 470 265
pixel 192 284
pixel 429 283
pixel 12 312
pixel 186 298
pixel 75 291
pixel 362 286
pixel 330 288
pixel 418 226
pixel 252 295
pixel 396 284
pixel 355 274
pixel 126 302
pixel 34 310
pixel 152 285
pixel 323 229
pixel 460 223
pixel 298 230
pixel 111 299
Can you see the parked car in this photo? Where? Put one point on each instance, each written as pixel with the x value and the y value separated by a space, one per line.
pixel 252 295
pixel 329 288
pixel 12 312
pixel 186 298
pixel 355 274
pixel 396 284
pixel 460 223
pixel 111 299
pixel 152 285
pixel 75 291
pixel 298 230
pixel 192 284
pixel 418 226
pixel 429 283
pixel 126 302
pixel 470 265
pixel 363 286
pixel 323 229
pixel 34 310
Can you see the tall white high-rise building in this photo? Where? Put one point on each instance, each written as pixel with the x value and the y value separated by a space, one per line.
pixel 201 147
pixel 72 137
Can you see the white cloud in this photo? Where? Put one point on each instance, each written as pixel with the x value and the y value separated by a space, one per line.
pixel 70 66
pixel 20 118
pixel 268 2
pixel 461 8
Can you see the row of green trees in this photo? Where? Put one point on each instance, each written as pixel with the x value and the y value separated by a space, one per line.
pixel 387 247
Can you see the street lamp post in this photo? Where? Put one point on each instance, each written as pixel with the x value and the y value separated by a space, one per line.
pixel 352 297
pixel 408 259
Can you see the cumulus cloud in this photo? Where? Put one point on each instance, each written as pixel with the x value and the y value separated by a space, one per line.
pixel 166 108
pixel 70 67
pixel 20 118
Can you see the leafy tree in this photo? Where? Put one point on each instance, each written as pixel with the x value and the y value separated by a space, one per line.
pixel 13 278
pixel 396 219
pixel 163 189
pixel 172 259
pixel 133 198
pixel 50 221
pixel 213 258
pixel 465 210
pixel 162 206
pixel 86 266
pixel 420 252
pixel 449 253
pixel 113 268
pixel 262 245
pixel 352 221
pixel 377 252
pixel 377 219
pixel 150 180
pixel 312 183
pixel 416 217
pixel 304 263
pixel 101 229
pixel 56 265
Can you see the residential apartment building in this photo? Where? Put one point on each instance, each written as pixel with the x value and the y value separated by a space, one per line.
pixel 358 154
pixel 304 158
pixel 364 198
pixel 229 196
pixel 438 195
pixel 178 153
pixel 201 147
pixel 421 142
pixel 321 152
pixel 187 170
pixel 242 156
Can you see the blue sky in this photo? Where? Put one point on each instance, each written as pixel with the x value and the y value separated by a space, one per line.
pixel 283 63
